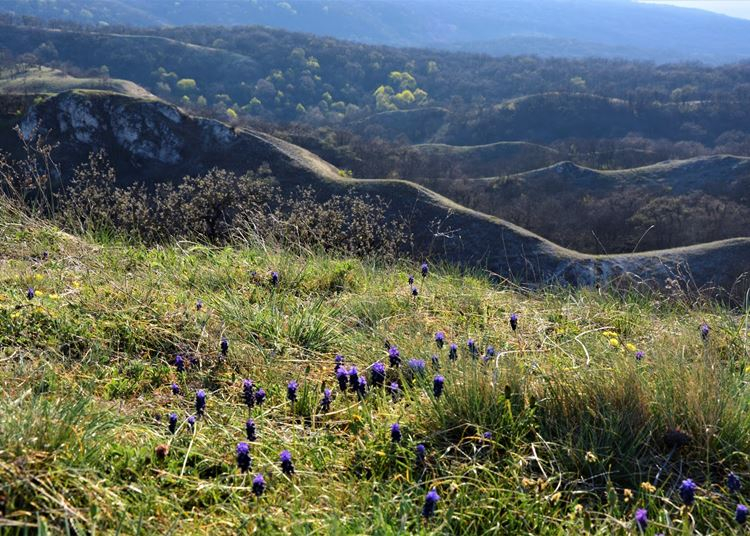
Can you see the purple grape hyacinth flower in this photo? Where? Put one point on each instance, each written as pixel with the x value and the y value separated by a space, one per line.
pixel 339 360
pixel 435 361
pixel 287 467
pixel 200 402
pixel 353 378
pixel 250 430
pixel 425 269
pixel 191 421
pixel 179 363
pixel 274 278
pixel 172 422
pixel 430 502
pixel 198 305
pixel 243 457
pixel 224 346
pixel 513 321
pixel 417 366
pixel 472 347
pixel 487 435
pixel 440 339
pixel 740 515
pixel 343 378
pixel 453 352
pixel 490 351
pixel 291 391
pixel 377 374
pixel 687 491
pixel 414 291
pixel 175 389
pixel 733 483
pixel 394 356
pixel 437 385
pixel 260 396
pixel 421 454
pixel 30 293
pixel 362 387
pixel 705 331
pixel 411 280
pixel 248 392
pixel 639 355
pixel 395 432
pixel 259 485
pixel 641 519
pixel 325 403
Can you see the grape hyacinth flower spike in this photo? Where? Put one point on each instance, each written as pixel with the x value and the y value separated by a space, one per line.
pixel 414 291
pixel 287 467
pixel 740 514
pixel 641 519
pixel 191 421
pixel 243 457
pixel 175 389
pixel 687 491
pixel 274 278
pixel 198 305
pixel 172 422
pixel 417 366
pixel 440 339
pixel 224 346
pixel 421 453
pixel 250 430
pixel 394 356
pixel 705 331
pixel 362 387
pixel 411 280
pixel 430 502
pixel 437 385
pixel 325 404
pixel 425 269
pixel 259 485
pixel 179 363
pixel 377 374
pixel 353 378
pixel 639 355
pixel 395 432
pixel 343 378
pixel 513 321
pixel 339 360
pixel 453 352
pixel 30 293
pixel 260 396
pixel 291 391
pixel 200 402
pixel 248 393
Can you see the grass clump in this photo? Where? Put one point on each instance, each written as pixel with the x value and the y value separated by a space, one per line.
pixel 562 426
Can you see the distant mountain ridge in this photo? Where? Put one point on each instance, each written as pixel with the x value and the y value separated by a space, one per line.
pixel 573 28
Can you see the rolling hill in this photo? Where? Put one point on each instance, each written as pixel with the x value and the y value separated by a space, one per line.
pixel 150 140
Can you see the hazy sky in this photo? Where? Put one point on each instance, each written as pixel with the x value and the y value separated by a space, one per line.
pixel 734 8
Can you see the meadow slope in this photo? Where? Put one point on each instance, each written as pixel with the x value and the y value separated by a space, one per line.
pixel 557 426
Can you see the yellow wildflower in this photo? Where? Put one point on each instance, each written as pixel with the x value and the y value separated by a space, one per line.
pixel 630 346
pixel 614 342
pixel 648 487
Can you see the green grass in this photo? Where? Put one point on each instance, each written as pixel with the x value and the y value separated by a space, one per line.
pixel 577 422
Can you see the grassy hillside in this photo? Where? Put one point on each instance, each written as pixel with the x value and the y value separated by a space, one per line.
pixel 563 428
pixel 669 204
pixel 43 80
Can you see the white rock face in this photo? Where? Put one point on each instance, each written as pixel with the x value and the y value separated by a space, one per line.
pixel 75 114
